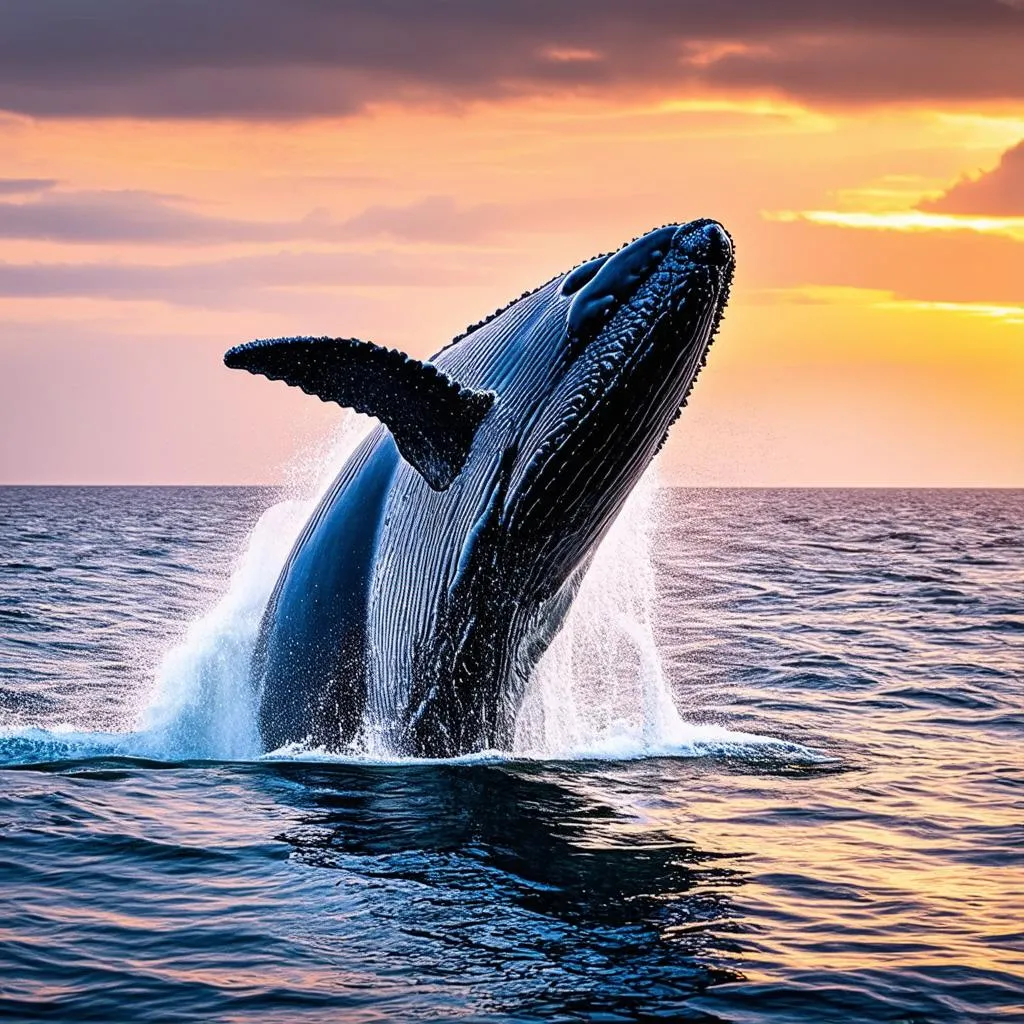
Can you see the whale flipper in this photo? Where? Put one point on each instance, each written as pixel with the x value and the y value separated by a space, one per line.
pixel 432 417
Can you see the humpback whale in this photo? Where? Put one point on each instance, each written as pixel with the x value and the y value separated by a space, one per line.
pixel 442 561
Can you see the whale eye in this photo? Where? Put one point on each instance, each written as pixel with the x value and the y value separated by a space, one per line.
pixel 585 272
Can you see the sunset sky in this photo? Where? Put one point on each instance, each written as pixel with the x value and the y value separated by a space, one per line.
pixel 179 177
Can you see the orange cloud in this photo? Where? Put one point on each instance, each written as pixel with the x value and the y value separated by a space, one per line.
pixel 144 217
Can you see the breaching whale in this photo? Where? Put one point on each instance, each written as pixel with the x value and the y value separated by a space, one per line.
pixel 443 559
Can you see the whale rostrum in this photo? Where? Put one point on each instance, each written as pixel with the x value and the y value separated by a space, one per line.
pixel 440 564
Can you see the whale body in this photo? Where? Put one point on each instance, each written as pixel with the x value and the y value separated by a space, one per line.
pixel 443 559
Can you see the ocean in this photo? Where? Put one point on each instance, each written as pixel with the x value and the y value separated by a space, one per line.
pixel 772 771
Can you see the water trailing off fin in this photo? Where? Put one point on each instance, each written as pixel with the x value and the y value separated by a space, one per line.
pixel 432 418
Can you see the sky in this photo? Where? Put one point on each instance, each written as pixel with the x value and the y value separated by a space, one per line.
pixel 178 177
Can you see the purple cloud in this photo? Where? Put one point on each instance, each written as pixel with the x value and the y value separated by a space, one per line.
pixel 997 193
pixel 98 217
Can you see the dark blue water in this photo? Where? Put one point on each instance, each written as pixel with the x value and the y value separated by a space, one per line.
pixel 869 867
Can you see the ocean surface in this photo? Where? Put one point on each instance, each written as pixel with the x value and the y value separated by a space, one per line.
pixel 773 771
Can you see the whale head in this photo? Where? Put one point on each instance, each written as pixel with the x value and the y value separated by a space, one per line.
pixel 622 338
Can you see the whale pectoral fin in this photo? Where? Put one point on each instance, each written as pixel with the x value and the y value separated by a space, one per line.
pixel 432 417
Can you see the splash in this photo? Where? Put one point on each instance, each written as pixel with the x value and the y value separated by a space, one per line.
pixel 600 691
pixel 203 705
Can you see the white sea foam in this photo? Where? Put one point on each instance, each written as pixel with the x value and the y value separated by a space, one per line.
pixel 601 690
pixel 203 704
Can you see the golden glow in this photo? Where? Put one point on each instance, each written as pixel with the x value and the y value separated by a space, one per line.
pixel 1008 314
pixel 987 130
pixel 905 220
pixel 839 295
pixel 750 106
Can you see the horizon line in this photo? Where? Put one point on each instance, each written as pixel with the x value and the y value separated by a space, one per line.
pixel 660 486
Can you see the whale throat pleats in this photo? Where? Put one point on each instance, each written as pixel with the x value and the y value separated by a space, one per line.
pixel 432 418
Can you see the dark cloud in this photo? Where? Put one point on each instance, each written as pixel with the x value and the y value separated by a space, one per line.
pixel 275 59
pixel 998 193
pixel 25 186
pixel 150 218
